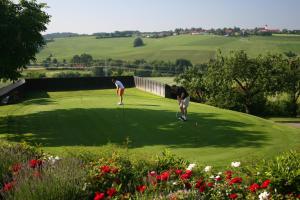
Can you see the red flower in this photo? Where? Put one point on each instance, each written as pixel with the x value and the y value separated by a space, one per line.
pixel 105 169
pixel 34 163
pixel 254 187
pixel 141 188
pixel 228 174
pixel 16 167
pixel 235 180
pixel 189 172
pixel 165 176
pixel 158 177
pixel 198 184
pixel 188 185
pixel 152 173
pixel 178 172
pixel 114 170
pixel 265 184
pixel 99 196
pixel 218 178
pixel 8 186
pixel 210 184
pixel 233 196
pixel 111 192
pixel 186 175
pixel 202 188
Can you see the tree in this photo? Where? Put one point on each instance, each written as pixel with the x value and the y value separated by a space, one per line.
pixel 193 80
pixel 292 81
pixel 182 64
pixel 20 32
pixel 86 59
pixel 138 42
pixel 243 81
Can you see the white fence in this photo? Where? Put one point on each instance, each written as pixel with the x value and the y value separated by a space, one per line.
pixel 151 86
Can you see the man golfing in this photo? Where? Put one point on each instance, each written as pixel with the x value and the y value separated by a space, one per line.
pixel 120 90
pixel 183 101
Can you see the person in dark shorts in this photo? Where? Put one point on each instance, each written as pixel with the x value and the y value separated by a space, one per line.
pixel 183 98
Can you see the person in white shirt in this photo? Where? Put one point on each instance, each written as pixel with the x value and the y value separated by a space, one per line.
pixel 120 89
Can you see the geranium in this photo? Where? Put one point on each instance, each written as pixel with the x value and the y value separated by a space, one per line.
pixel 105 169
pixel 233 196
pixel 8 186
pixel 265 184
pixel 207 168
pixel 235 164
pixel 165 176
pixel 202 188
pixel 199 183
pixel 99 196
pixel 210 184
pixel 186 175
pixel 152 173
pixel 218 178
pixel 16 167
pixel 235 180
pixel 264 196
pixel 228 174
pixel 254 187
pixel 111 192
pixel 178 172
pixel 34 163
pixel 141 188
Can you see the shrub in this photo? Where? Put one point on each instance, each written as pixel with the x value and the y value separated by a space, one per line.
pixel 138 42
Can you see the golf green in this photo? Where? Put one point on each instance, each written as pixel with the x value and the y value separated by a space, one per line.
pixel 91 120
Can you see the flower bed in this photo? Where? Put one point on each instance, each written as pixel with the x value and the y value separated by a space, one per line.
pixel 167 177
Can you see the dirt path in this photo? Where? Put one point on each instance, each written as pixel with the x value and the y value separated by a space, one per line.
pixel 297 125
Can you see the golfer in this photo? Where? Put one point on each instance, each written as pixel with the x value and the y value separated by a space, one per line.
pixel 183 101
pixel 120 90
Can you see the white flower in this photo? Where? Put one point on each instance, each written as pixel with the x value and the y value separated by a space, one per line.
pixel 235 164
pixel 57 158
pixel 53 160
pixel 174 183
pixel 191 166
pixel 212 176
pixel 217 178
pixel 207 168
pixel 219 173
pixel 264 196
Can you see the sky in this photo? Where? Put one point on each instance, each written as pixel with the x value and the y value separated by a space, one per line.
pixel 90 16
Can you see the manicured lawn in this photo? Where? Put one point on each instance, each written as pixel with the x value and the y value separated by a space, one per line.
pixel 77 121
pixel 197 48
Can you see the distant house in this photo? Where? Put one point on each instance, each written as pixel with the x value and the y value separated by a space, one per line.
pixel 266 29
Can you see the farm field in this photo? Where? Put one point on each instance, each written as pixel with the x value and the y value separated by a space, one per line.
pixel 80 121
pixel 197 48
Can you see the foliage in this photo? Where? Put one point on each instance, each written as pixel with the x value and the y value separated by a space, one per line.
pixel 69 74
pixel 84 59
pixel 21 25
pixel 138 42
pixel 193 80
pixel 244 80
pixel 34 74
pixel 98 71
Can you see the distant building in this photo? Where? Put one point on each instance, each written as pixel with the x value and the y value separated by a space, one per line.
pixel 266 29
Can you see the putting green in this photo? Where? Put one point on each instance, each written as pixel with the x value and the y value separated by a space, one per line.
pixel 91 120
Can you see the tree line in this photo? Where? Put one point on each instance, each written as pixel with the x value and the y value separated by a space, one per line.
pixel 246 84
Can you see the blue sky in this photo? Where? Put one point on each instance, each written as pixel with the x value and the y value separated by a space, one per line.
pixel 89 16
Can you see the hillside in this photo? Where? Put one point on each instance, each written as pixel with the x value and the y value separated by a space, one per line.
pixel 197 48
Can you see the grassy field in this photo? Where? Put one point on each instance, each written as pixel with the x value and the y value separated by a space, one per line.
pixel 165 80
pixel 91 120
pixel 197 48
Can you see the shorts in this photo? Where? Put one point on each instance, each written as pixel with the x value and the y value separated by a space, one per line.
pixel 185 102
pixel 121 91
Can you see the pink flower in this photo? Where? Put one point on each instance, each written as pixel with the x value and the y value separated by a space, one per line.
pixel 153 173
pixel 254 187
pixel 233 196
pixel 265 184
pixel 141 188
pixel 99 196
pixel 111 192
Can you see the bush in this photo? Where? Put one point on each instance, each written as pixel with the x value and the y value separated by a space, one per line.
pixel 138 42
pixel 35 75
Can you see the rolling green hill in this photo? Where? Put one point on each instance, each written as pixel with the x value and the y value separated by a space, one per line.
pixel 197 48
pixel 76 121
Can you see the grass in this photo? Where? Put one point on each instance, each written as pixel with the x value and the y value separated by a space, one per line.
pixel 79 121
pixel 3 84
pixel 164 80
pixel 197 48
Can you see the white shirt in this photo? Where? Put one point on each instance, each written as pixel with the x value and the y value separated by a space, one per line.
pixel 119 85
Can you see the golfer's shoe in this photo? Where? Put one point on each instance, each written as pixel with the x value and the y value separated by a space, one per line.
pixel 182 118
pixel 120 103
